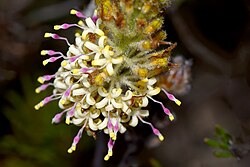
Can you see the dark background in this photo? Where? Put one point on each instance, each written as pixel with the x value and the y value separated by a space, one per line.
pixel 214 34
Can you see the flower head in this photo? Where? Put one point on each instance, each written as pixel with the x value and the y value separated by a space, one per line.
pixel 105 80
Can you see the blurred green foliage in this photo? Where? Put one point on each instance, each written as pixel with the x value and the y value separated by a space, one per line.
pixel 222 142
pixel 34 141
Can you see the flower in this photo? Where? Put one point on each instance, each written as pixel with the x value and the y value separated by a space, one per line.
pixel 103 84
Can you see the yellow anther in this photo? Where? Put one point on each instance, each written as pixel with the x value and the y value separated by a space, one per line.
pixel 73 148
pixel 46 35
pixel 99 80
pixel 80 23
pixel 106 158
pixel 114 137
pixel 57 27
pixel 178 102
pixel 160 62
pixel 64 63
pixel 67 121
pixel 110 153
pixel 146 8
pixel 62 101
pixel 141 83
pixel 41 104
pixel 37 90
pixel 78 107
pixel 45 62
pixel 146 45
pixel 171 117
pixel 157 23
pixel 40 80
pixel 77 34
pixel 75 71
pixel 44 52
pixel 145 80
pixel 149 29
pixel 161 138
pixel 70 150
pixel 37 107
pixel 143 72
pixel 73 11
pixel 111 134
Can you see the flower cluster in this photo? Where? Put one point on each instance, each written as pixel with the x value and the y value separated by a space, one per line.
pixel 101 86
pixel 179 78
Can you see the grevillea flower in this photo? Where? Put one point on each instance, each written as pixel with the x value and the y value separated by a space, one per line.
pixel 105 82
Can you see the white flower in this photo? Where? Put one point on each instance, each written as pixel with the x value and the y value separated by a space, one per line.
pixel 110 100
pixel 92 28
pixel 103 55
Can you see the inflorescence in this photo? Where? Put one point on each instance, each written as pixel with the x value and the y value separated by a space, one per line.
pixel 100 86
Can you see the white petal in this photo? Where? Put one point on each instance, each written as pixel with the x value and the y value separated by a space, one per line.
pixel 74 50
pixel 98 62
pixel 68 80
pixel 144 113
pixel 86 83
pixel 97 56
pixel 106 51
pixel 81 62
pixel 95 113
pixel 115 104
pixel 99 32
pixel 77 121
pixel 98 22
pixel 129 111
pixel 90 100
pixel 79 113
pixel 109 107
pixel 116 92
pixel 154 91
pixel 78 92
pixel 90 23
pixel 106 131
pixel 102 103
pixel 85 105
pixel 110 69
pixel 92 125
pixel 61 106
pixel 152 81
pixel 113 121
pixel 128 95
pixel 85 33
pixel 134 121
pixel 124 107
pixel 103 124
pixel 102 92
pixel 75 86
pixel 122 129
pixel 101 41
pixel 79 42
pixel 60 85
pixel 118 60
pixel 92 46
pixel 104 112
pixel 144 102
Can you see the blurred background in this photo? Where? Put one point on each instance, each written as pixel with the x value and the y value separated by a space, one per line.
pixel 213 83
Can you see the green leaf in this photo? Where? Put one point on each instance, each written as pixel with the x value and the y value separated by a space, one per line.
pixel 212 143
pixel 223 154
